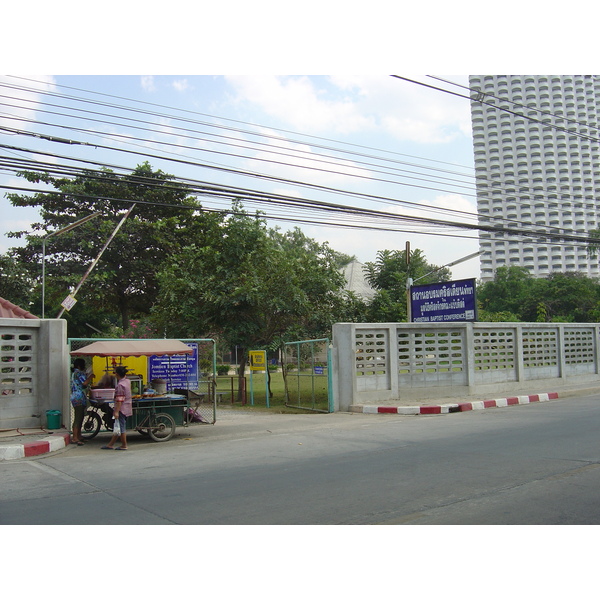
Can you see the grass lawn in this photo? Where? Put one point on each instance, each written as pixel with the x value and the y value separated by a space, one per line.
pixel 304 391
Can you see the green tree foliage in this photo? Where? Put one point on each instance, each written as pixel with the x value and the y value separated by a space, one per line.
pixel 248 284
pixel 561 297
pixel 124 281
pixel 507 292
pixel 389 274
pixel 17 282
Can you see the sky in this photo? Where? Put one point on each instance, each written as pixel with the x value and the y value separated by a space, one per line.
pixel 370 134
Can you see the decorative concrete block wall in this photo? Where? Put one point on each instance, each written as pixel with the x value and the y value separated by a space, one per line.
pixel 375 362
pixel 34 371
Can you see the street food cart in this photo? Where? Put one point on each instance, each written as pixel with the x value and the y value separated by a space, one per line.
pixel 156 412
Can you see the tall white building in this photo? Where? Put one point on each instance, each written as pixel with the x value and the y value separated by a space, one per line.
pixel 533 175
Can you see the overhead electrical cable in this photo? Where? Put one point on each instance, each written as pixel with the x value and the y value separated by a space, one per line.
pixel 247 173
pixel 362 213
pixel 286 131
pixel 281 200
pixel 481 100
pixel 280 180
pixel 207 188
pixel 493 184
pixel 347 173
pixel 268 147
pixel 526 106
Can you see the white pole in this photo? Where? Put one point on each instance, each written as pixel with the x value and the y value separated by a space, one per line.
pixel 67 228
pixel 95 262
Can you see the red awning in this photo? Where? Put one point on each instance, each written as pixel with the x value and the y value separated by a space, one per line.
pixel 134 348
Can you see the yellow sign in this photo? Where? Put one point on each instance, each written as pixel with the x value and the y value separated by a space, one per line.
pixel 258 360
pixel 136 365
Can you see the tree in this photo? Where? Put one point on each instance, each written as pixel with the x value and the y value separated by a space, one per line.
pixel 389 274
pixel 560 297
pixel 507 292
pixel 253 286
pixel 17 282
pixel 124 281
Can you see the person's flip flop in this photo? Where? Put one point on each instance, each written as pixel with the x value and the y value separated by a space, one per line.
pixel 80 443
pixel 106 448
pixel 120 448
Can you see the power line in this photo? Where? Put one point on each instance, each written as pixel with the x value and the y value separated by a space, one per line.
pixel 313 158
pixel 534 108
pixel 247 173
pixel 481 100
pixel 286 131
pixel 280 200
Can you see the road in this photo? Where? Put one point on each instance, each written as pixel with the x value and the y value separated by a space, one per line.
pixel 533 464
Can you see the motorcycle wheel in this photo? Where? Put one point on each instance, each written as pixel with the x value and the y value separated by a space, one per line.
pixel 91 425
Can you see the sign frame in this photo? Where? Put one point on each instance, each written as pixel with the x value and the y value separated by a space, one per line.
pixel 444 302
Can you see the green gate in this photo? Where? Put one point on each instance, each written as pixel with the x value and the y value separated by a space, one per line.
pixel 307 375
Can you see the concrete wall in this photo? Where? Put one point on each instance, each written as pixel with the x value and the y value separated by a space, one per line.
pixel 375 362
pixel 34 373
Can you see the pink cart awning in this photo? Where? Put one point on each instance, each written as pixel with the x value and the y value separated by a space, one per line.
pixel 134 348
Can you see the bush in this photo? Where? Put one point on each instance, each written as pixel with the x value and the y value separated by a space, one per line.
pixel 222 370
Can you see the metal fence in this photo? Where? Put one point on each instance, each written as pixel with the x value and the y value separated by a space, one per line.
pixel 306 368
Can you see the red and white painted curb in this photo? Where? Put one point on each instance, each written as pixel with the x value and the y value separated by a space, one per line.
pixel 439 409
pixel 27 449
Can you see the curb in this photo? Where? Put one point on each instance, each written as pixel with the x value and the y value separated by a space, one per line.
pixel 440 409
pixel 50 444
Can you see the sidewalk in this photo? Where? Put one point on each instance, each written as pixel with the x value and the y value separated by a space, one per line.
pixel 27 442
pixel 446 405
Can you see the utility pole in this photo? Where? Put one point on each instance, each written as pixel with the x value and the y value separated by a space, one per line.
pixel 95 262
pixel 63 230
pixel 408 282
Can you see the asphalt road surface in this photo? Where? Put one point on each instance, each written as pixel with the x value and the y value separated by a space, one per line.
pixel 532 464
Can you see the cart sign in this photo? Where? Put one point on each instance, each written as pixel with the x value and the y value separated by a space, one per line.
pixel 180 370
pixel 439 302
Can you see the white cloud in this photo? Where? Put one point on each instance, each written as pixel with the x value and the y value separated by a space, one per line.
pixel 343 104
pixel 299 102
pixel 456 202
pixel 147 83
pixel 181 85
pixel 409 111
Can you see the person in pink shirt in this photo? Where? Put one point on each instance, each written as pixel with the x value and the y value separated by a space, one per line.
pixel 123 409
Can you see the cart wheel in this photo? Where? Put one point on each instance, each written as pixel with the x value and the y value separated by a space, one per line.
pixel 91 425
pixel 162 427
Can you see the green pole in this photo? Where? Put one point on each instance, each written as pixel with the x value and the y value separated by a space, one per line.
pixel 330 401
pixel 267 382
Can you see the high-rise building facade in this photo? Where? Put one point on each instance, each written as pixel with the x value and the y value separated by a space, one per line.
pixel 537 163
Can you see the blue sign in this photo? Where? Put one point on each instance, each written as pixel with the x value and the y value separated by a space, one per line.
pixel 179 371
pixel 440 302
